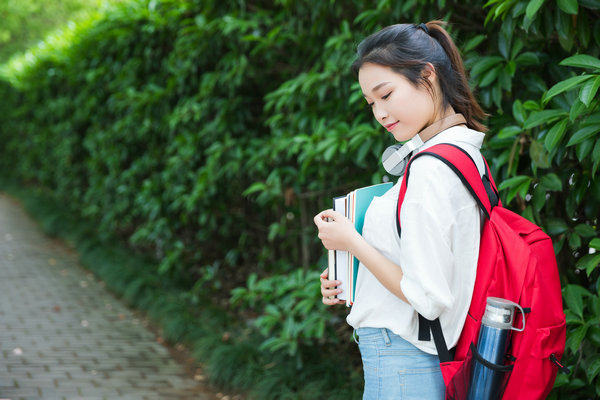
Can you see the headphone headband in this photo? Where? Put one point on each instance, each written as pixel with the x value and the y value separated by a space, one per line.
pixel 441 125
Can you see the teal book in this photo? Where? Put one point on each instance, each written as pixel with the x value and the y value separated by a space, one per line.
pixel 343 266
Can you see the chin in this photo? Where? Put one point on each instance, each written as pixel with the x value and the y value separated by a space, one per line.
pixel 403 137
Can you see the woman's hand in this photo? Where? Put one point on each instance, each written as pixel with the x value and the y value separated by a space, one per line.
pixel 335 230
pixel 328 289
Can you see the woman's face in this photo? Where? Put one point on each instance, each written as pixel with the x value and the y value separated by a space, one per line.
pixel 397 105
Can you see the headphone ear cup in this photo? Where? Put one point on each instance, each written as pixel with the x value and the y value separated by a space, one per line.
pixel 398 168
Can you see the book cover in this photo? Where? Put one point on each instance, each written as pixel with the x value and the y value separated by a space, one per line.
pixel 343 264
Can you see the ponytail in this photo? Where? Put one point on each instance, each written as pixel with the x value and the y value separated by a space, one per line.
pixel 463 100
pixel 407 49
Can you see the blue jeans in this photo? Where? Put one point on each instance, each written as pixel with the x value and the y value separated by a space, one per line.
pixel 396 369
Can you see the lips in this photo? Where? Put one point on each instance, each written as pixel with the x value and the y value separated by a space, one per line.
pixel 390 127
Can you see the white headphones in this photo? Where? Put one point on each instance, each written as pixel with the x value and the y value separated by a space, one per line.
pixel 396 157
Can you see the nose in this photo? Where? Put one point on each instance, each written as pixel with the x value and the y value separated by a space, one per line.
pixel 379 112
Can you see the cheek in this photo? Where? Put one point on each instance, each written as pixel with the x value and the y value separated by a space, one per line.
pixel 416 107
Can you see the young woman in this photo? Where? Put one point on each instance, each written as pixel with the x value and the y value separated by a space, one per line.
pixel 413 78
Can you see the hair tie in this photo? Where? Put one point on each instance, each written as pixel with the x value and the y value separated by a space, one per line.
pixel 424 27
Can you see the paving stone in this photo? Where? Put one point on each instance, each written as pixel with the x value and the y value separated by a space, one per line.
pixel 64 336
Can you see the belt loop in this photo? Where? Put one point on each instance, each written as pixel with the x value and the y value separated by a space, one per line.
pixel 354 336
pixel 386 337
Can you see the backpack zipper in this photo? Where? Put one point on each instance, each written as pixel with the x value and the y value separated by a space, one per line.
pixel 561 367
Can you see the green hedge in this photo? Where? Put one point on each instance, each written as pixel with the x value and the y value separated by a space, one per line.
pixel 208 133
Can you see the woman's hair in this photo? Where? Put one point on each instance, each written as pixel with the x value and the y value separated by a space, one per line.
pixel 407 49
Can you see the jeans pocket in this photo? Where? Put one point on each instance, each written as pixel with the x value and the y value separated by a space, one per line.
pixel 421 383
pixel 369 335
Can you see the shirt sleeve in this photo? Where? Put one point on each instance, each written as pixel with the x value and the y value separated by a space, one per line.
pixel 433 198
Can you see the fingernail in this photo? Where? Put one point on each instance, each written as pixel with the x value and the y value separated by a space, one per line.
pixel 339 290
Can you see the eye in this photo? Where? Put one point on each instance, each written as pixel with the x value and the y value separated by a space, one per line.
pixel 386 96
pixel 370 105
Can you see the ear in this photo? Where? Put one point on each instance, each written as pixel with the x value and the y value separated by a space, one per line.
pixel 429 72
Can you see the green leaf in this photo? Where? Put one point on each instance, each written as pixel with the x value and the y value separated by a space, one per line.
pixel 505 80
pixel 588 91
pixel 509 131
pixel 490 76
pixel 591 4
pixel 593 369
pixel 555 134
pixel 255 187
pixel 516 185
pixel 539 198
pixel 514 181
pixel 538 155
pixel 593 119
pixel 484 64
pixel 568 6
pixel 566 85
pixel 516 49
pixel 573 296
pixel 583 134
pixel 575 338
pixel 589 263
pixel 503 45
pixel 520 189
pixel 584 32
pixel 532 8
pixel 574 240
pixel 519 112
pixel 583 149
pixel 511 68
pixel 527 58
pixel 555 226
pixel 474 42
pixel 576 109
pixel 585 230
pixel 531 105
pixel 595 243
pixel 581 61
pixel 541 117
pixel 551 182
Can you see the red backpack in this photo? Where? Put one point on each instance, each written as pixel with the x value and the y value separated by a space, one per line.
pixel 517 263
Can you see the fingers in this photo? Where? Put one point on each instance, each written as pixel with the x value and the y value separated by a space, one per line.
pixel 318 220
pixel 332 302
pixel 329 289
pixel 322 217
pixel 326 284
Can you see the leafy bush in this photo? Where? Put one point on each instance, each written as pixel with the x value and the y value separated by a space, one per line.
pixel 292 316
pixel 208 134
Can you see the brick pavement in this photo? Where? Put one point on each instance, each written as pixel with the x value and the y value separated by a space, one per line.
pixel 64 336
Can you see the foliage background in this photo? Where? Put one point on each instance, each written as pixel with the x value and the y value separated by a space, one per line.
pixel 206 134
pixel 26 22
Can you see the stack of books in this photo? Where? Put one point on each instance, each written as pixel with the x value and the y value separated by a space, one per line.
pixel 343 266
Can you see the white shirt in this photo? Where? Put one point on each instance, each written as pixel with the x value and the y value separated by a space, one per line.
pixel 437 251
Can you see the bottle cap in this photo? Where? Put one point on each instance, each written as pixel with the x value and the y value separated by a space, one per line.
pixel 499 313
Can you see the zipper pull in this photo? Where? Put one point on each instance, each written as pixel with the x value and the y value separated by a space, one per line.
pixel 561 367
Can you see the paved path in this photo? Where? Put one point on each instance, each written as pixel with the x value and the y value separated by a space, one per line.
pixel 64 336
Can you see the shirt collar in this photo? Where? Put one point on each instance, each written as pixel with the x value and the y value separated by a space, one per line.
pixel 455 134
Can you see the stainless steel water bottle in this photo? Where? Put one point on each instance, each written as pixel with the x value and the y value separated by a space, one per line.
pixel 492 344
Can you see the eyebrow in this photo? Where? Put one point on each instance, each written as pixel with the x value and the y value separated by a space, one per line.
pixel 377 87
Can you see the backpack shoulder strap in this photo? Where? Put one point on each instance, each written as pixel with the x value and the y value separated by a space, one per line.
pixel 483 189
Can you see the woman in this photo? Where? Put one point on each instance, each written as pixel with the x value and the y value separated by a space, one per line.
pixel 413 78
